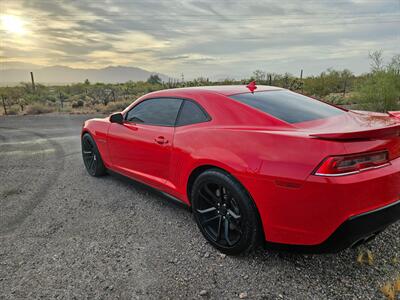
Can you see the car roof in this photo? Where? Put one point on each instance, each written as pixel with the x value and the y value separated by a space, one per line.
pixel 226 90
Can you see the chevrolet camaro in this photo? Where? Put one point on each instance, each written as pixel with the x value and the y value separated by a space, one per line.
pixel 258 164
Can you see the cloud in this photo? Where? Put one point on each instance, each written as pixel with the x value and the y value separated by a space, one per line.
pixel 203 38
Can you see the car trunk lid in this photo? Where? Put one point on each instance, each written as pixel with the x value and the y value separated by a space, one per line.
pixel 354 125
pixel 359 131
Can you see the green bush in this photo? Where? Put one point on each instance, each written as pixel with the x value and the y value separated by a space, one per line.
pixel 380 91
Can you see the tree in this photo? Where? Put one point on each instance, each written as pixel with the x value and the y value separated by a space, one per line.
pixel 394 64
pixel 259 75
pixel 380 91
pixel 376 62
pixel 154 79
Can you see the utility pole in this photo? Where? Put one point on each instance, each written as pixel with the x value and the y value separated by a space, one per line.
pixel 33 82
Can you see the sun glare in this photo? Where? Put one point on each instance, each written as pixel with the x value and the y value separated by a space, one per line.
pixel 12 24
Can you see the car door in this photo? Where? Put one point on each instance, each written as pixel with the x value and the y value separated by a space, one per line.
pixel 141 146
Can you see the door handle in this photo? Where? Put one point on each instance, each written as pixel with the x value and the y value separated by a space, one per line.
pixel 161 140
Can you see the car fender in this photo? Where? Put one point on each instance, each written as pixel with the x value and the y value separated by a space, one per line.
pixel 98 129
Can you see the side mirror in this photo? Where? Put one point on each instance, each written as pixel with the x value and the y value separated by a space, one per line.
pixel 117 118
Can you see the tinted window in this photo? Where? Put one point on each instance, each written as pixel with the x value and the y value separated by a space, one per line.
pixel 288 106
pixel 191 113
pixel 161 111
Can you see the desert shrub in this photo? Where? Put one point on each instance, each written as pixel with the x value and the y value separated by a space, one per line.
pixel 13 110
pixel 335 99
pixel 77 104
pixel 330 81
pixel 113 107
pixel 338 99
pixel 39 108
pixel 380 91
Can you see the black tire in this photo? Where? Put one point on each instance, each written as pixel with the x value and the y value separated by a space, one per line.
pixel 220 203
pixel 91 157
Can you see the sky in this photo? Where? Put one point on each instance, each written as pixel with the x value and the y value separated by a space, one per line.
pixel 211 38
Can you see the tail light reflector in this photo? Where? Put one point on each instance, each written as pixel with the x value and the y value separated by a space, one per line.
pixel 352 164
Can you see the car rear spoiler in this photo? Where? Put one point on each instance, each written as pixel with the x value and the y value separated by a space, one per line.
pixel 393 130
pixel 395 114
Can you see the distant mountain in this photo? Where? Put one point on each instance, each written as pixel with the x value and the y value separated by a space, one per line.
pixel 18 65
pixel 64 75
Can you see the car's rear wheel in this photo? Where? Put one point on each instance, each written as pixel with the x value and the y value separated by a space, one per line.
pixel 91 157
pixel 225 213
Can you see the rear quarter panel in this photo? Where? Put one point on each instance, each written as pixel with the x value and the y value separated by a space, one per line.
pixel 250 155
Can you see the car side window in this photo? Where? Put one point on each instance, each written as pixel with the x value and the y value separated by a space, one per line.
pixel 191 113
pixel 158 111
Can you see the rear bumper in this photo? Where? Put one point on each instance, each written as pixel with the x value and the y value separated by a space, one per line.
pixel 356 229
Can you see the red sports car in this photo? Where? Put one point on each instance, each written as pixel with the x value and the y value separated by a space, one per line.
pixel 258 164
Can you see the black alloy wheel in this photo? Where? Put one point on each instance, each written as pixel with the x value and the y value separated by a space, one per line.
pixel 219 214
pixel 91 157
pixel 225 213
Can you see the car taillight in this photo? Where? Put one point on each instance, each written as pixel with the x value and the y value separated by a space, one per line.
pixel 352 164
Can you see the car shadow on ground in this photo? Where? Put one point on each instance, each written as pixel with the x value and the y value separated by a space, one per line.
pixel 285 253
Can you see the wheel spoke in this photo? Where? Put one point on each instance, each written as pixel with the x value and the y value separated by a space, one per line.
pixel 226 232
pixel 94 164
pixel 233 214
pixel 211 194
pixel 207 199
pixel 87 154
pixel 219 229
pixel 91 163
pixel 205 211
pixel 87 145
pixel 209 220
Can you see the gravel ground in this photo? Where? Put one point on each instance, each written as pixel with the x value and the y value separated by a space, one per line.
pixel 64 234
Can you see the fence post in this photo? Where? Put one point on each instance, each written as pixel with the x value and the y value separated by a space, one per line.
pixel 33 82
pixel 301 81
pixel 4 105
pixel 61 101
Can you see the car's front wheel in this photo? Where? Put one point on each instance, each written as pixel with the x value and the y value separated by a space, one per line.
pixel 225 213
pixel 91 156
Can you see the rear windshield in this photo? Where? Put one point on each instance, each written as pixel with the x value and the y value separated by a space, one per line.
pixel 288 106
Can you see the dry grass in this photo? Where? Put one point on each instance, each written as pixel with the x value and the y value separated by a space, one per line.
pixel 38 108
pixel 365 257
pixel 43 108
pixel 396 285
pixel 11 110
pixel 389 291
pixel 112 107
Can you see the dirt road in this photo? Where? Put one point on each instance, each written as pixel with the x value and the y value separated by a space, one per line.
pixel 64 234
